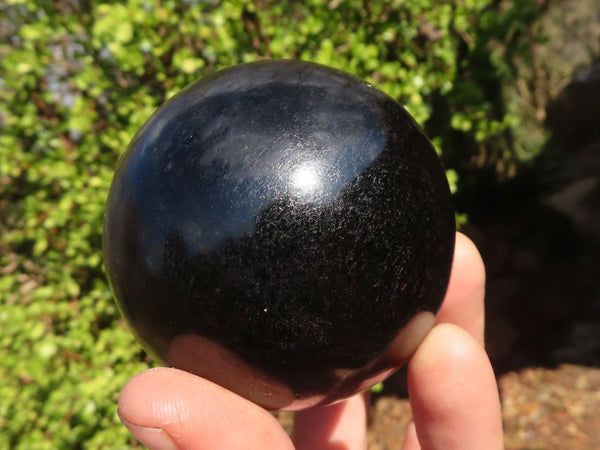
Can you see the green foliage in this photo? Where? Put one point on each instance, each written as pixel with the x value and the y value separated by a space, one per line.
pixel 476 119
pixel 76 82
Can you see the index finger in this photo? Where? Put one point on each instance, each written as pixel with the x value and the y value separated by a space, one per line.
pixel 453 393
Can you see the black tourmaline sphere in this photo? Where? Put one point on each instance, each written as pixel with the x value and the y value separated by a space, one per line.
pixel 275 227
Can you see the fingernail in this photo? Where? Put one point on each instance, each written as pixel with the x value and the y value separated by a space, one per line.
pixel 153 438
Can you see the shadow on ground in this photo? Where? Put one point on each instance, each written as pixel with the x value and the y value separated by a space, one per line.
pixel 540 239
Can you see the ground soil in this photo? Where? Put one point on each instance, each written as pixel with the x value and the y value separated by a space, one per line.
pixel 542 409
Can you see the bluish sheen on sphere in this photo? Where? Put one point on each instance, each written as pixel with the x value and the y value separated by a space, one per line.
pixel 274 228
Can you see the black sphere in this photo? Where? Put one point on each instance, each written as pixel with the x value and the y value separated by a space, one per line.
pixel 277 227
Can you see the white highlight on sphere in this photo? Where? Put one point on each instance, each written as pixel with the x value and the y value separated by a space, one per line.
pixel 306 179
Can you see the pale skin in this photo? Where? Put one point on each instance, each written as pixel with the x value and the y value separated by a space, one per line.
pixel 452 390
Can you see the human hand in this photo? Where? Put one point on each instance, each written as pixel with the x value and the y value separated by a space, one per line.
pixel 451 383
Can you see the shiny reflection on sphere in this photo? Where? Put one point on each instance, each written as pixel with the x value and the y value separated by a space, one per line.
pixel 282 229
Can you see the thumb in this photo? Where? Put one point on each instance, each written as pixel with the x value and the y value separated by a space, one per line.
pixel 171 409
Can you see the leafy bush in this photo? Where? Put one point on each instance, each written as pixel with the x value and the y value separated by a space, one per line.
pixel 77 79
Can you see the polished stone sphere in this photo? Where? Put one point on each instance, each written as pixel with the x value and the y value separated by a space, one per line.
pixel 282 229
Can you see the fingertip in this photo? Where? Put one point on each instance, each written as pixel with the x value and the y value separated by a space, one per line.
pixel 453 392
pixel 446 342
pixel 133 398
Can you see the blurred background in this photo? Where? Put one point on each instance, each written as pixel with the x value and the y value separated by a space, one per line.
pixel 508 91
